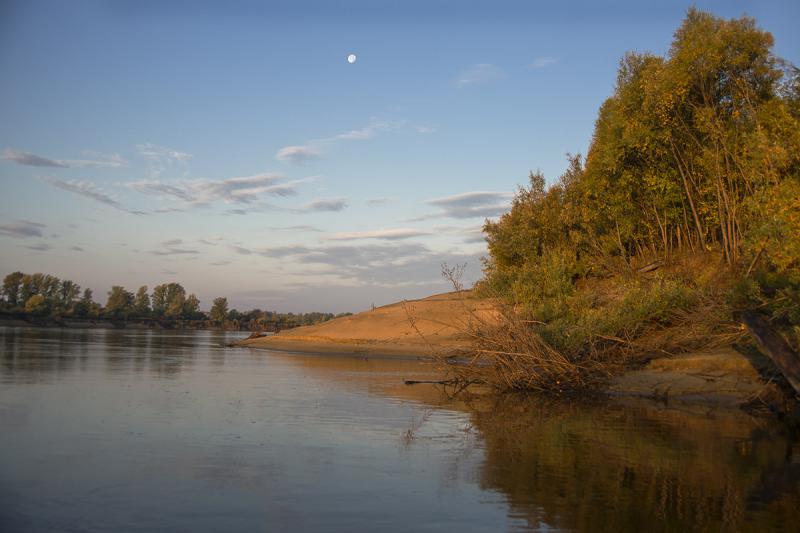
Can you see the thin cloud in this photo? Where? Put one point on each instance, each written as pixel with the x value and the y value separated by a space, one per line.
pixel 373 202
pixel 42 247
pixel 326 204
pixel 471 205
pixel 172 247
pixel 26 158
pixel 478 74
pixel 298 154
pixel 162 158
pixel 313 149
pixel 100 160
pixel 22 229
pixel 542 62
pixel 238 190
pixel 76 249
pixel 375 264
pixel 296 228
pixel 89 190
pixel 386 234
pixel 425 130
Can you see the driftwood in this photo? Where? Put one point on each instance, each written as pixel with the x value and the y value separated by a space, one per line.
pixel 774 346
pixel 655 265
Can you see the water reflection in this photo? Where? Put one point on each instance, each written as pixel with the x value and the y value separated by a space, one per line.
pixel 637 466
pixel 151 426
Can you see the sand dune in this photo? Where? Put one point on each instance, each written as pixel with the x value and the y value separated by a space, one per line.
pixel 387 330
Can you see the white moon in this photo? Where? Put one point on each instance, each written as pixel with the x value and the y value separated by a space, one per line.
pixel 351 58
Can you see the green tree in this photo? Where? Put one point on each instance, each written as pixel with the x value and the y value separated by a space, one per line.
pixel 219 311
pixel 68 292
pixel 141 302
pixel 120 302
pixel 190 307
pixel 11 288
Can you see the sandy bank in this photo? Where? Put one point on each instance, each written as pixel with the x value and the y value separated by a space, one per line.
pixel 387 330
pixel 719 376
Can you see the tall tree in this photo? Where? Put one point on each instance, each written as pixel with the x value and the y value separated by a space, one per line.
pixel 219 311
pixel 141 302
pixel 11 288
pixel 120 302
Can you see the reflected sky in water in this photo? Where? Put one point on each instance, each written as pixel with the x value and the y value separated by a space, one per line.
pixel 126 430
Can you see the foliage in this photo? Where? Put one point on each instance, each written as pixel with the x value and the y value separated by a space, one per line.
pixel 696 153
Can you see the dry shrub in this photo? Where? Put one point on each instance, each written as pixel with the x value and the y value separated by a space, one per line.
pixel 599 331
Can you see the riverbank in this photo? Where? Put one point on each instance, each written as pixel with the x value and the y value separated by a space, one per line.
pixel 727 375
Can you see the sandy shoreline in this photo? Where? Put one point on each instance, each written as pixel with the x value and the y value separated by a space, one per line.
pixel 723 376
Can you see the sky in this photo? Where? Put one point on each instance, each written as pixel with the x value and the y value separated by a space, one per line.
pixel 231 147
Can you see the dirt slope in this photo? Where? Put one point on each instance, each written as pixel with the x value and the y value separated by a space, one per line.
pixel 387 330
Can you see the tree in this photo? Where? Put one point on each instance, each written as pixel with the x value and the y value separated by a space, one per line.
pixel 120 302
pixel 11 288
pixel 68 292
pixel 191 306
pixel 141 302
pixel 219 311
pixel 36 305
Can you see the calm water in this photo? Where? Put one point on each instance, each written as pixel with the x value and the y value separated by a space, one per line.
pixel 162 431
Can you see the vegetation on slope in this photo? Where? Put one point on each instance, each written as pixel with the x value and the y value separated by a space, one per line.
pixel 685 210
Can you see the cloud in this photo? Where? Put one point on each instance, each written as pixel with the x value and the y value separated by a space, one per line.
pixel 239 190
pixel 395 264
pixel 42 247
pixel 312 150
pixel 89 190
pixel 471 204
pixel 171 247
pixel 386 234
pixel 76 249
pixel 542 62
pixel 22 229
pixel 162 158
pixel 33 160
pixel 29 159
pixel 326 204
pixel 296 228
pixel 479 73
pixel 220 263
pixel 373 202
pixel 298 154
pixel 425 130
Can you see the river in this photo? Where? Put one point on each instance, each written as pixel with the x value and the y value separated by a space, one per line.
pixel 130 430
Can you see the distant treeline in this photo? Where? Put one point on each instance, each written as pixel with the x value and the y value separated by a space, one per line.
pixel 45 296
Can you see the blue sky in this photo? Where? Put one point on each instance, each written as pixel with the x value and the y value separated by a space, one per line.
pixel 231 147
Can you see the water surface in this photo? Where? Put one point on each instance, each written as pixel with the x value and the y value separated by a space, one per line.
pixel 125 430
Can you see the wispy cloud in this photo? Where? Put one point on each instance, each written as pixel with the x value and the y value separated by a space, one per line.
pixel 471 204
pixel 326 204
pixel 87 189
pixel 383 234
pixel 239 190
pixel 374 264
pixel 99 160
pixel 22 229
pixel 298 154
pixel 41 247
pixel 478 74
pixel 173 247
pixel 296 228
pixel 162 158
pixel 76 249
pixel 314 149
pixel 425 130
pixel 374 202
pixel 542 62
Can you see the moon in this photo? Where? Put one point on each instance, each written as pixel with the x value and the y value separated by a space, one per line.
pixel 351 58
